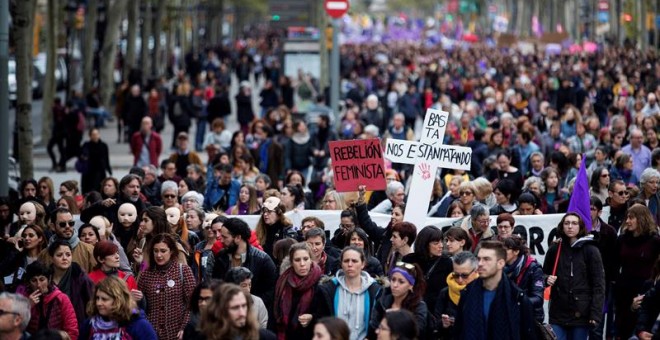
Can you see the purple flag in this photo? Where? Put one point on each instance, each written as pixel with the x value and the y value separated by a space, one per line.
pixel 580 202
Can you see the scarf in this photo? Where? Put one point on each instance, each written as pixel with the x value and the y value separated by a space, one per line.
pixel 289 284
pixel 455 288
pixel 65 282
pixel 104 330
pixel 322 261
pixel 513 270
pixel 73 241
pixel 300 138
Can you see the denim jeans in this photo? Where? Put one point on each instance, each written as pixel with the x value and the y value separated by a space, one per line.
pixel 571 333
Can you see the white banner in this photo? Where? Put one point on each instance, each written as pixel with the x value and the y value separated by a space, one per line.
pixel 538 230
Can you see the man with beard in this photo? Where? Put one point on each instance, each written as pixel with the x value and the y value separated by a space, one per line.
pixel 230 315
pixel 237 252
pixel 129 192
pixel 64 226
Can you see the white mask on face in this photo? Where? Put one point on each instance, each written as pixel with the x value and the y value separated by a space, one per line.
pixel 27 213
pixel 208 218
pixel 173 215
pixel 127 214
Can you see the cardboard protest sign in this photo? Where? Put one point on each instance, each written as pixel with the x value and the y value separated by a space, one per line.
pixel 427 155
pixel 357 162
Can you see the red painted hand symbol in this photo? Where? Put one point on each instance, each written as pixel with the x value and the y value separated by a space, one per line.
pixel 426 171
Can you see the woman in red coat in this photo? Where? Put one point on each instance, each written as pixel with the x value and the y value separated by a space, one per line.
pixel 51 308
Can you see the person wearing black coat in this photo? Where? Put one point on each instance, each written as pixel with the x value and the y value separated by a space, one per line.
pixel 244 110
pixel 219 106
pixel 181 111
pixel 95 152
pixel 134 109
pixel 257 261
pixel 510 314
pixel 647 315
pixel 435 266
pixel 386 301
pixel 605 237
pixel 578 286
pixel 526 273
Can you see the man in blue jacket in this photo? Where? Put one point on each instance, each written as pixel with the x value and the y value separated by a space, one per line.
pixel 492 307
pixel 223 192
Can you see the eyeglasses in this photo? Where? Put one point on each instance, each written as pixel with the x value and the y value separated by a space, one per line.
pixel 483 221
pixel 64 224
pixel 605 175
pixel 466 193
pixel 3 312
pixel 463 276
pixel 622 193
pixel 169 196
pixel 266 211
pixel 405 265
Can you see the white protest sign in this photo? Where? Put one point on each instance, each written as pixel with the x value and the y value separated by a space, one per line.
pixel 538 230
pixel 427 155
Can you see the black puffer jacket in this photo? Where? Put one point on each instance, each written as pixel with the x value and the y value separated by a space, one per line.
pixel 527 274
pixel 579 292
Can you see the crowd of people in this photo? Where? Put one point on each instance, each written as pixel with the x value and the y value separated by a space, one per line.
pixel 163 253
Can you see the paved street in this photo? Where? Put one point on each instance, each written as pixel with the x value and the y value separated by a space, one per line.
pixel 120 157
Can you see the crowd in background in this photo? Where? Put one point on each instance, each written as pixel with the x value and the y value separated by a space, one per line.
pixel 144 254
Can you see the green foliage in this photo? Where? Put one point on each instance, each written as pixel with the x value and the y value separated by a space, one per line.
pixel 424 6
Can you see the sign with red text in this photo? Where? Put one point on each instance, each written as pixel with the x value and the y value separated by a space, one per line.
pixel 357 162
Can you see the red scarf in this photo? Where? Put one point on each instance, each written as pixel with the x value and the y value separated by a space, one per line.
pixel 288 284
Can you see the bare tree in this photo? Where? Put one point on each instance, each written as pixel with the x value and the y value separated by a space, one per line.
pixel 89 49
pixel 115 12
pixel 51 57
pixel 23 13
pixel 158 28
pixel 129 61
pixel 145 33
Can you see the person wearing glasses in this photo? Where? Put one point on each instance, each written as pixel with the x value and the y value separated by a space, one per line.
pixel 464 271
pixel 478 225
pixel 525 272
pixel 600 181
pixel 492 306
pixel 14 316
pixel 237 251
pixel 64 227
pixel 578 285
pixel 618 202
pixel 273 224
pixel 406 291
pixel 199 300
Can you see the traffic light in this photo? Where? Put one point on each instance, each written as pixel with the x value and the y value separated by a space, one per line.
pixel 328 37
pixel 275 17
pixel 627 17
pixel 79 20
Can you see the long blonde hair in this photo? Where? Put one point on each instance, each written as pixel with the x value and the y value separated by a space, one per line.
pixel 122 305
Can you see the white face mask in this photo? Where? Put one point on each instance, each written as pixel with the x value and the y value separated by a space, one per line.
pixel 127 214
pixel 173 215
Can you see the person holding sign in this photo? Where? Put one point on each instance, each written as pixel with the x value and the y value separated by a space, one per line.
pixel 380 236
